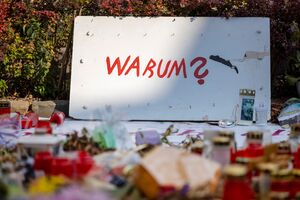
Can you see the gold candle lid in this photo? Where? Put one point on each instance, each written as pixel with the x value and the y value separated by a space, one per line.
pixel 235 170
pixel 268 167
pixel 279 195
pixel 256 135
pixel 284 147
pixel 295 129
pixel 283 173
pixel 242 160
pixel 228 134
pixel 218 140
pixel 198 144
pixel 296 172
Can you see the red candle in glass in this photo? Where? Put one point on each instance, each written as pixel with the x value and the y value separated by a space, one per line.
pixel 236 186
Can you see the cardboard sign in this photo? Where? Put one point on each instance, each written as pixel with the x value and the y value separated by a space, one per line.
pixel 168 68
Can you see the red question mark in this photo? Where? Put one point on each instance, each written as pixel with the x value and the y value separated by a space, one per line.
pixel 197 70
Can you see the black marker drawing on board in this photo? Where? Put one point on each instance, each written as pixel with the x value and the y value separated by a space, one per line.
pixel 224 62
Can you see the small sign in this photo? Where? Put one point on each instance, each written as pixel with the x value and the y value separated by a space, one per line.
pixel 246 108
pixel 169 68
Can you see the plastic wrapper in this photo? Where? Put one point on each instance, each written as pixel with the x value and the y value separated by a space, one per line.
pixel 147 137
pixel 112 133
pixel 290 114
pixel 9 131
pixel 110 160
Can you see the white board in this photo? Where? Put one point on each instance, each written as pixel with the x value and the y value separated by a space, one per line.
pixel 214 95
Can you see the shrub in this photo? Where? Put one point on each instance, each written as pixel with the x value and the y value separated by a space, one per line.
pixel 27 42
pixel 3 87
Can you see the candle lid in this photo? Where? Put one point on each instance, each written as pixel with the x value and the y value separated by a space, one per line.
pixel 229 134
pixel 279 195
pixel 198 144
pixel 282 173
pixel 235 170
pixel 258 135
pixel 219 140
pixel 284 147
pixel 295 129
pixel 268 167
pixel 242 160
pixel 296 172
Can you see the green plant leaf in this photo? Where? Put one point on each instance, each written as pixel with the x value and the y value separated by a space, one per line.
pixel 291 80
